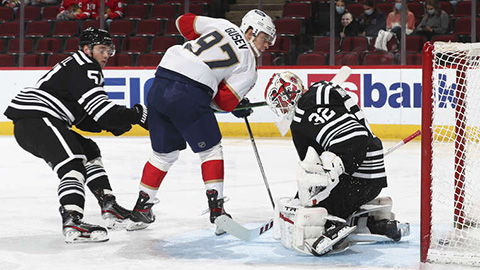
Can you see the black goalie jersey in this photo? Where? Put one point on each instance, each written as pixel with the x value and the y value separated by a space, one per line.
pixel 72 91
pixel 327 119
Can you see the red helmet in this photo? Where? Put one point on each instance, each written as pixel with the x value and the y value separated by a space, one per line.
pixel 282 92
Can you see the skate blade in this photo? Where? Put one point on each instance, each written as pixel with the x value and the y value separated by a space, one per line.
pixel 219 231
pixel 135 226
pixel 72 237
pixel 114 223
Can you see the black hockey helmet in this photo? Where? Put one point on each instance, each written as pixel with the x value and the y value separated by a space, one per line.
pixel 93 36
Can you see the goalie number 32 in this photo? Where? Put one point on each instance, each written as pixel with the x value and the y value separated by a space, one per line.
pixel 321 116
pixel 208 41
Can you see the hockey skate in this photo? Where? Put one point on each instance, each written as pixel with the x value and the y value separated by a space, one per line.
pixel 333 240
pixel 142 215
pixel 392 229
pixel 76 231
pixel 216 209
pixel 115 216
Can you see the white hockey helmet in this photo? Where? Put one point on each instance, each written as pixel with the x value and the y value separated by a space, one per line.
pixel 283 92
pixel 259 22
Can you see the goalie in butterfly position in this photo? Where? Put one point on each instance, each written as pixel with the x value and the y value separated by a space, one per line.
pixel 340 174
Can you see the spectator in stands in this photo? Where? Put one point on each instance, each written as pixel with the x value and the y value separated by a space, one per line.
pixel 340 10
pixel 394 27
pixel 349 26
pixel 70 10
pixel 435 21
pixel 14 4
pixel 113 11
pixel 371 21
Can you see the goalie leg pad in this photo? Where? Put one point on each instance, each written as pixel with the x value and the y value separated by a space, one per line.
pixel 285 209
pixel 309 224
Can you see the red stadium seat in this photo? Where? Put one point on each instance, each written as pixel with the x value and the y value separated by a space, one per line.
pixel 55 58
pixel 49 45
pixel 120 59
pixel 135 12
pixel 379 58
pixel 446 6
pixel 14 46
pixel 354 44
pixel 33 60
pixel 135 45
pixel 463 28
pixel 444 38
pixel 38 29
pixel 312 59
pixel 65 29
pixel 322 45
pixel 415 43
pixel 297 10
pixel 161 44
pixel 71 45
pixel 2 45
pixel 149 60
pixel 121 28
pixel 413 58
pixel 163 11
pixel 6 14
pixel 91 23
pixel 195 9
pixel 50 13
pixel 385 8
pixel 415 8
pixel 346 58
pixel 356 9
pixel 149 28
pixel 7 60
pixel 9 29
pixel 464 8
pixel 32 13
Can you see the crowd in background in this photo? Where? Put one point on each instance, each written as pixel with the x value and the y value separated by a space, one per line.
pixel 378 21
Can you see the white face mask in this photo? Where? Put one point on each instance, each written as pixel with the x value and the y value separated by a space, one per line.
pixel 431 11
pixel 398 6
pixel 369 11
pixel 340 10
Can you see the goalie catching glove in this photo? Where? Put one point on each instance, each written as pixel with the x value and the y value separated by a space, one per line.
pixel 317 176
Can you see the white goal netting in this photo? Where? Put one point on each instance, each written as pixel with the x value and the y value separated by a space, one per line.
pixel 455 172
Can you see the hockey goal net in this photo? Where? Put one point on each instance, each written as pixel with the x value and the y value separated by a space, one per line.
pixel 450 211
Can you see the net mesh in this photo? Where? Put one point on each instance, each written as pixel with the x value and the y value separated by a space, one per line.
pixel 455 205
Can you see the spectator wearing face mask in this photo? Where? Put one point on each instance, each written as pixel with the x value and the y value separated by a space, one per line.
pixel 371 21
pixel 349 26
pixel 394 27
pixel 435 21
pixel 339 11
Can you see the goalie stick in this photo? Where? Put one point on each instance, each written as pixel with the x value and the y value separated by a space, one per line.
pixel 239 231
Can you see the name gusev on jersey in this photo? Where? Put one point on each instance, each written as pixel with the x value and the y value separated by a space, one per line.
pixel 218 56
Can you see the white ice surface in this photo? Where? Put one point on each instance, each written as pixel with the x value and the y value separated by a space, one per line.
pixel 181 238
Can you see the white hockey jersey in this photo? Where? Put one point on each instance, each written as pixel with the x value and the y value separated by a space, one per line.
pixel 217 55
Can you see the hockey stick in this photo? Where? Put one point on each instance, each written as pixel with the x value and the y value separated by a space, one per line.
pixel 249 106
pixel 239 231
pixel 259 161
pixel 402 142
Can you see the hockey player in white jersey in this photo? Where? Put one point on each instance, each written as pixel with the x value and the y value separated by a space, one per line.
pixel 214 70
pixel 340 174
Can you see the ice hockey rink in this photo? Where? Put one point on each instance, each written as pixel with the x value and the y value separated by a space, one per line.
pixel 181 237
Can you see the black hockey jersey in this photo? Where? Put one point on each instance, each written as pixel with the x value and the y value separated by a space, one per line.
pixel 327 119
pixel 72 91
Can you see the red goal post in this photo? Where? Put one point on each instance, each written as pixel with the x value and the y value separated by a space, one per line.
pixel 450 174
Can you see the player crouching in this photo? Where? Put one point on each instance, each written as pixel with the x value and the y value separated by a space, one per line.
pixel 340 174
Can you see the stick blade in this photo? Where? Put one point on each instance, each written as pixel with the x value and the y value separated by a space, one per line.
pixel 342 75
